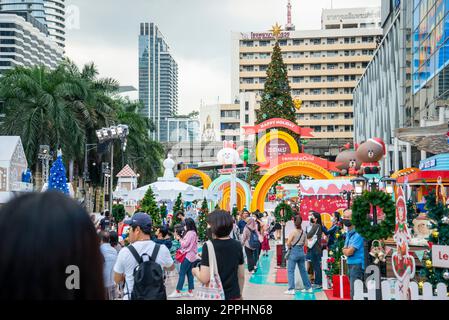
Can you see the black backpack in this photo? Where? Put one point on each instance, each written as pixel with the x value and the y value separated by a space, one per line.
pixel 148 277
pixel 254 242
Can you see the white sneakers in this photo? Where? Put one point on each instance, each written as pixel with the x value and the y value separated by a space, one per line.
pixel 176 294
pixel 290 292
pixel 307 290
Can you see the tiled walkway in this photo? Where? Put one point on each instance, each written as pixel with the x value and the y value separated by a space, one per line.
pixel 261 285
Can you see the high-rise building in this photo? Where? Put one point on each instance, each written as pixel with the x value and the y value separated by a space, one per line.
pixel 323 69
pixel 55 15
pixel 36 8
pixel 24 42
pixel 158 80
pixel 50 13
pixel 403 97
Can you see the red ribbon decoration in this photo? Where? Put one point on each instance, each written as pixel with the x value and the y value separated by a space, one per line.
pixel 278 123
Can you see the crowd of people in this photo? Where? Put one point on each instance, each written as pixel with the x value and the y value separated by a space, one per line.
pixel 106 267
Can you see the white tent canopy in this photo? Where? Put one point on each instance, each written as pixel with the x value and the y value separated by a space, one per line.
pixel 167 188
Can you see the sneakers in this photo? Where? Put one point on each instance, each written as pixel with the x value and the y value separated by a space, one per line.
pixel 290 292
pixel 317 286
pixel 189 294
pixel 310 290
pixel 175 294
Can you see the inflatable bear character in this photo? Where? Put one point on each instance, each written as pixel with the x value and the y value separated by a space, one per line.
pixel 370 153
pixel 349 163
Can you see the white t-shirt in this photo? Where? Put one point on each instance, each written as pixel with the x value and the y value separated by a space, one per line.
pixel 126 262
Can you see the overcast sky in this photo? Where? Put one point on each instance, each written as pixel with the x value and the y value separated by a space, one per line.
pixel 198 32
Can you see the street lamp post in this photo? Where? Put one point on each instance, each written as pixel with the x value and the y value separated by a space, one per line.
pixel 45 156
pixel 119 132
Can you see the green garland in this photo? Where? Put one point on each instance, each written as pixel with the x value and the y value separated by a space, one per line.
pixel 361 210
pixel 288 212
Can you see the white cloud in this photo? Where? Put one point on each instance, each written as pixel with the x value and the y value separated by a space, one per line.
pixel 202 80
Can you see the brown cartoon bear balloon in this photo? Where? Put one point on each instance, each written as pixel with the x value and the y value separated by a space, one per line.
pixel 370 153
pixel 349 163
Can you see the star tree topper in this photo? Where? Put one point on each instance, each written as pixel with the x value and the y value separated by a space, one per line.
pixel 277 29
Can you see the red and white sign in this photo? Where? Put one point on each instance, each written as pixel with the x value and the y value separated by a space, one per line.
pixel 440 256
pixel 271 163
pixel 278 123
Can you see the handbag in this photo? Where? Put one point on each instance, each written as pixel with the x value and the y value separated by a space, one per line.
pixel 311 242
pixel 214 289
pixel 287 254
pixel 180 255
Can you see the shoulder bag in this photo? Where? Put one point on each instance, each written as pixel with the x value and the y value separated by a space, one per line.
pixel 214 289
pixel 287 254
pixel 311 242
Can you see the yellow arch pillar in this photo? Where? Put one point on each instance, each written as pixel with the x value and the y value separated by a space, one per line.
pixel 292 168
pixel 186 174
pixel 241 198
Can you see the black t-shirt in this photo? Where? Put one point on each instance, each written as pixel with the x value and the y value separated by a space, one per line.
pixel 229 256
pixel 104 223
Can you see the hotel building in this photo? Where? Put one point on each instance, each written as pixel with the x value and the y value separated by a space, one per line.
pixel 324 67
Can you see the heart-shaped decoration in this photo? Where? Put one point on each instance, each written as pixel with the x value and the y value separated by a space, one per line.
pixel 401 265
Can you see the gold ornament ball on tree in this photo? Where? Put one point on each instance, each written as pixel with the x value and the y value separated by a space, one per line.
pixel 420 284
pixel 435 234
pixel 428 264
pixel 337 235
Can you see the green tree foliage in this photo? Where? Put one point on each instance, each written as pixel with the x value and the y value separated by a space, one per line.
pixel 149 206
pixel 202 220
pixel 276 101
pixel 176 208
pixel 64 107
pixel 438 214
pixel 118 212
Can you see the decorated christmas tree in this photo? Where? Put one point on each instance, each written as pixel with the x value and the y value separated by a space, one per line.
pixel 149 206
pixel 58 180
pixel 176 208
pixel 202 218
pixel 276 101
pixel 438 214
pixel 118 212
pixel 335 254
pixel 163 211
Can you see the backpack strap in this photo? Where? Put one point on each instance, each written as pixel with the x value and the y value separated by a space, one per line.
pixel 135 254
pixel 155 252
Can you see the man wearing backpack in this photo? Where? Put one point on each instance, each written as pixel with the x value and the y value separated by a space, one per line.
pixel 147 281
pixel 251 242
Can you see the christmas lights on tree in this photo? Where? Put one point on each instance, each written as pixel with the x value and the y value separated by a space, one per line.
pixel 58 180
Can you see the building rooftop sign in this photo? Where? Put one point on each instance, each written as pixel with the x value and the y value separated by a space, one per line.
pixel 264 36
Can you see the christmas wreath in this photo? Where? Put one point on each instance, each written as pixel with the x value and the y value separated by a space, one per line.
pixel 288 212
pixel 361 209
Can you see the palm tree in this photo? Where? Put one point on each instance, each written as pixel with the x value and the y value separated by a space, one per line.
pixel 36 109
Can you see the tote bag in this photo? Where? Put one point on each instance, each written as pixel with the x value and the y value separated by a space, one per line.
pixel 311 242
pixel 214 289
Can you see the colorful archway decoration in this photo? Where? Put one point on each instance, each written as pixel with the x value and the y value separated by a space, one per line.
pixel 226 179
pixel 186 174
pixel 280 135
pixel 293 168
pixel 241 198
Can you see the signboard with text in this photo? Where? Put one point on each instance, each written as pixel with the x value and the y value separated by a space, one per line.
pixel 440 256
pixel 276 148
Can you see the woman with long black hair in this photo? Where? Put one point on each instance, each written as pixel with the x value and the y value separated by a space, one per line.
pixel 189 250
pixel 49 250
pixel 314 235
